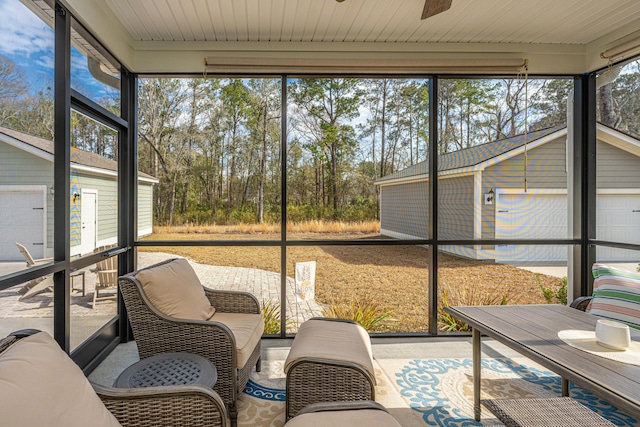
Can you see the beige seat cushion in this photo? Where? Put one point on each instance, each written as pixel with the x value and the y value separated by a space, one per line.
pixel 246 328
pixel 175 290
pixel 41 386
pixel 332 340
pixel 358 417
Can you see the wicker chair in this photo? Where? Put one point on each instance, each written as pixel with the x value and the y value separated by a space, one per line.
pixel 191 405
pixel 155 333
pixel 581 303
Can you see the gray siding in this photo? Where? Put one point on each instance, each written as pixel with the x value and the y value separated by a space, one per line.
pixel 545 169
pixel 405 209
pixel 455 208
pixel 17 167
pixel 616 168
pixel 145 207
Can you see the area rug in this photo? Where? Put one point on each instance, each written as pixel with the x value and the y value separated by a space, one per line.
pixel 433 392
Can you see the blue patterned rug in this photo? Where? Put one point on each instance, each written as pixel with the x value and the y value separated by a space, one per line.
pixel 441 390
pixel 433 392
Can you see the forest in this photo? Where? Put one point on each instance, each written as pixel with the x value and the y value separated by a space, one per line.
pixel 215 144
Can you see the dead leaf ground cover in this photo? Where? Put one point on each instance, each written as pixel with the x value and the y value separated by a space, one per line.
pixel 393 278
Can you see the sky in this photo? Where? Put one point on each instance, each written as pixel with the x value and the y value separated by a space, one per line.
pixel 28 42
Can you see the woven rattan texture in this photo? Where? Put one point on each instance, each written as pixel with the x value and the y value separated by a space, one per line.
pixel 181 409
pixel 155 334
pixel 5 343
pixel 188 406
pixel 551 412
pixel 312 382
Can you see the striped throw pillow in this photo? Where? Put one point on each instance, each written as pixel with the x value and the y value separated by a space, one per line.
pixel 616 295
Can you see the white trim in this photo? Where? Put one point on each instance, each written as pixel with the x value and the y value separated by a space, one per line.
pixel 453 173
pixel 21 145
pixel 478 205
pixel 397 235
pixel 405 180
pixel 43 189
pixel 145 231
pixel 520 190
pixel 107 172
pixel 618 139
pixel 618 191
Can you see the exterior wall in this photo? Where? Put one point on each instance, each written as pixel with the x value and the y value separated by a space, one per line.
pixel 455 209
pixel 404 210
pixel 18 167
pixel 616 168
pixel 546 168
pixel 107 206
pixel 145 209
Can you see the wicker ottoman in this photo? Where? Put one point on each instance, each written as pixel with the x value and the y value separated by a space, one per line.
pixel 330 361
pixel 365 413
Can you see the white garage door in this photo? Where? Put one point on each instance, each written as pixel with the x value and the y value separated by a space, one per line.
pixel 618 220
pixel 21 220
pixel 531 216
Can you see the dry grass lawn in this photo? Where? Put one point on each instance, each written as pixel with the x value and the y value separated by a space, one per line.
pixel 394 278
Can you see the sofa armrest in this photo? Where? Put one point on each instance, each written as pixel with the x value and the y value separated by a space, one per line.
pixel 581 303
pixel 233 301
pixel 192 405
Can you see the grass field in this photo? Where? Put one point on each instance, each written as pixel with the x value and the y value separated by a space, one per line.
pixel 393 279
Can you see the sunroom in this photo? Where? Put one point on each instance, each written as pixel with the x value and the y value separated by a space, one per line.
pixel 364 159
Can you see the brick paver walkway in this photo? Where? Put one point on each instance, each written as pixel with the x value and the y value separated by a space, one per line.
pixel 265 285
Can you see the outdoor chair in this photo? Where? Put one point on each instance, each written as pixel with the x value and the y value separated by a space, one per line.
pixel 107 273
pixel 616 295
pixel 36 286
pixel 41 386
pixel 31 262
pixel 170 311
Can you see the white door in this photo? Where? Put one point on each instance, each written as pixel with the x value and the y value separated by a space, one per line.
pixel 531 215
pixel 22 220
pixel 618 220
pixel 88 220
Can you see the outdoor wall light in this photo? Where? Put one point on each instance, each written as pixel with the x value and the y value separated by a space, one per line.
pixel 488 197
pixel 75 196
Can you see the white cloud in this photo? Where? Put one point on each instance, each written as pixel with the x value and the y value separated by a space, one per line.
pixel 23 33
pixel 45 61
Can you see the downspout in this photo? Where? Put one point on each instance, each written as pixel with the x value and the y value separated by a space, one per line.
pixel 603 79
pixel 94 68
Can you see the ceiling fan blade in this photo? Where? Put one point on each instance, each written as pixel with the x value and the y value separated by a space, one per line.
pixel 433 7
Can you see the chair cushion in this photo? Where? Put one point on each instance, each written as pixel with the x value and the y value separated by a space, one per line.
pixel 357 417
pixel 41 386
pixel 175 290
pixel 247 330
pixel 616 295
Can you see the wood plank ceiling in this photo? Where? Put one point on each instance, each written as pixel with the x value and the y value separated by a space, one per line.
pixel 389 21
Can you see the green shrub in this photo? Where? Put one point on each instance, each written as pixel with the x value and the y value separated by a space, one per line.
pixel 553 297
pixel 464 296
pixel 271 314
pixel 245 214
pixel 366 313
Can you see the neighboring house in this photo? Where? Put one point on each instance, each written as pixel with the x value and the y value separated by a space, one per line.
pixel 26 198
pixel 469 178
